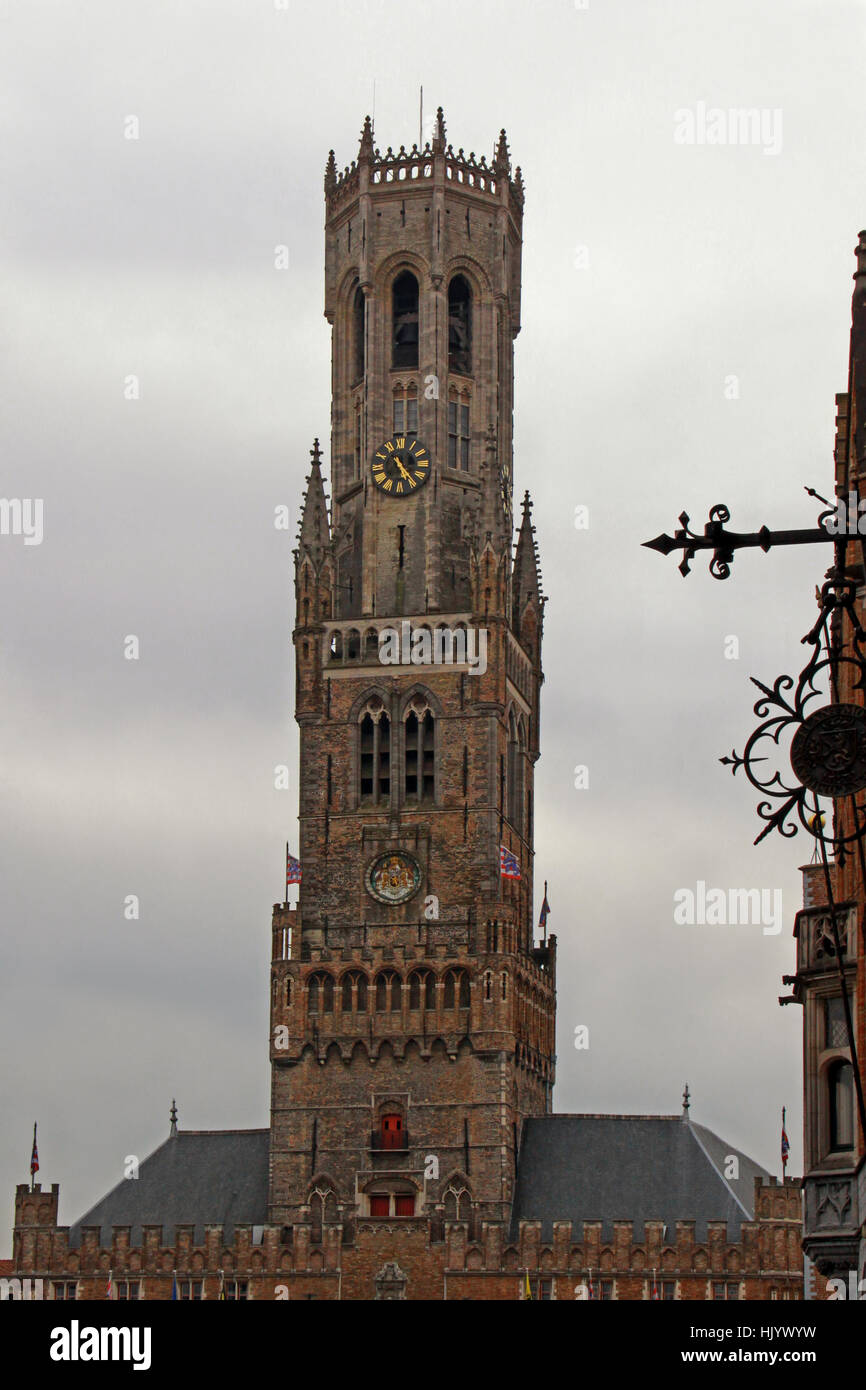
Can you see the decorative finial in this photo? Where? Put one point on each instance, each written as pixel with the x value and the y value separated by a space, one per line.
pixel 686 1101
pixel 439 133
pixel 366 149
pixel 330 172
pixel 173 1115
pixel 315 454
pixel 501 160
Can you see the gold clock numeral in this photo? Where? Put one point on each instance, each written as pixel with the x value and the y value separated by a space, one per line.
pixel 388 484
pixel 401 442
pixel 389 446
pixel 399 487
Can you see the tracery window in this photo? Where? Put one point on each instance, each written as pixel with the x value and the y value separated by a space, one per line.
pixel 375 753
pixel 419 750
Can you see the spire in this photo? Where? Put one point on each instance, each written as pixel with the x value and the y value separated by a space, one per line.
pixel 315 532
pixel 366 149
pixel 330 172
pixel 526 577
pixel 686 1102
pixel 439 132
pixel 501 159
pixel 173 1117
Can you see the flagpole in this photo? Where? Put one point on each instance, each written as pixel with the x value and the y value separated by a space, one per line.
pixel 545 920
pixel 286 890
pixel 784 1154
pixel 34 1160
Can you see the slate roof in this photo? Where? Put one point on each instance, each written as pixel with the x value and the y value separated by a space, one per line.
pixel 629 1168
pixel 197 1177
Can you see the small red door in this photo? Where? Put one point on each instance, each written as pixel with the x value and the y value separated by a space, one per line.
pixel 405 1206
pixel 392 1131
pixel 379 1206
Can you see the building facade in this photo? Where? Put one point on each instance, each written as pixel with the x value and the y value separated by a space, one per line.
pixel 412 1150
pixel 834 1149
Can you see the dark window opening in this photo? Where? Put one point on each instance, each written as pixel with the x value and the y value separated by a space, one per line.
pixel 375 742
pixel 459 326
pixel 404 351
pixel 358 315
pixel 420 757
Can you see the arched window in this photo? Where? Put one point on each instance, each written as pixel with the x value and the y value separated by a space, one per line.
pixel 375 753
pixel 459 326
pixel 354 992
pixel 420 751
pixel 288 990
pixel 422 989
pixel 456 1202
pixel 358 316
pixel 488 986
pixel 388 992
pixel 320 998
pixel 840 1081
pixel 323 1211
pixel 456 990
pixel 404 343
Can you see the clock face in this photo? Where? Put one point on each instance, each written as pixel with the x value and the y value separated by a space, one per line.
pixel 401 465
pixel 393 878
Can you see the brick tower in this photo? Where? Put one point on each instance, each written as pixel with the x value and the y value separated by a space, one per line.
pixel 412 1015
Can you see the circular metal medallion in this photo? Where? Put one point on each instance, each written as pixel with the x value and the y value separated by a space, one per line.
pixel 828 751
pixel 393 878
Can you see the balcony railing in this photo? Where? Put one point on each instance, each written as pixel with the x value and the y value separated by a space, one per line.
pixel 395 1141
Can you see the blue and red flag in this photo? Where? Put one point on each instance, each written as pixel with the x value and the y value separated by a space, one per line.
pixel 786 1147
pixel 34 1158
pixel 293 869
pixel 509 866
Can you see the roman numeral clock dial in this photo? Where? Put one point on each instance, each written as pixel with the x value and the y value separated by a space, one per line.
pixel 400 466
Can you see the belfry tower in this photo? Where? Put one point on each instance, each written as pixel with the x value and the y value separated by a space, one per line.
pixel 412 1016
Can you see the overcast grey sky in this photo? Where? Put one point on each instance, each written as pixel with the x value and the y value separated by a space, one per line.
pixel 154 257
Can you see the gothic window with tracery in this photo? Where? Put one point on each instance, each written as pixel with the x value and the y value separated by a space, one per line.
pixel 420 750
pixel 375 753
